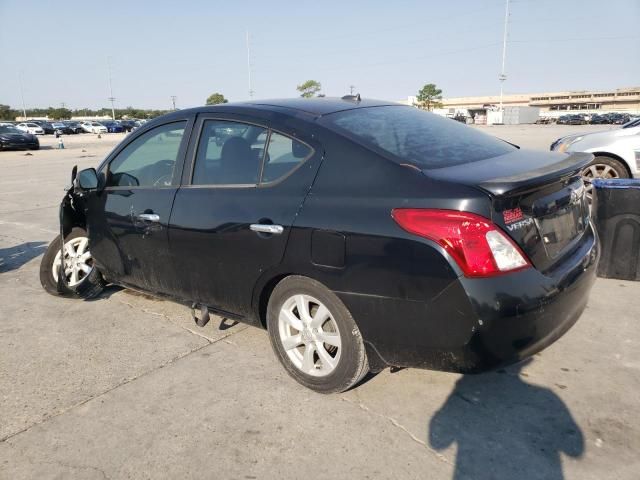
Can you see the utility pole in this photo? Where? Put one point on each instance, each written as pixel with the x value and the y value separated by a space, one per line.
pixel 249 66
pixel 351 88
pixel 24 110
pixel 503 76
pixel 63 105
pixel 173 102
pixel 111 97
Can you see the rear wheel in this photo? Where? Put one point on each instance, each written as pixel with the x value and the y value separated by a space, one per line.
pixel 602 167
pixel 314 336
pixel 81 277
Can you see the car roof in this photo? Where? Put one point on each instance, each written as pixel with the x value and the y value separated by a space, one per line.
pixel 317 106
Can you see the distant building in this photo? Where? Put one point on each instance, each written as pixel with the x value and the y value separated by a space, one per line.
pixel 552 104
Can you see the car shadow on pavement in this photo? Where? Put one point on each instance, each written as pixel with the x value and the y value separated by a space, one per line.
pixel 109 290
pixel 12 258
pixel 505 428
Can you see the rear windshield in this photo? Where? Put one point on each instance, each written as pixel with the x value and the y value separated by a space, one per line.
pixel 417 137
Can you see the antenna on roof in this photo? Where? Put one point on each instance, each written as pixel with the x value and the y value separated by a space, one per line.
pixel 352 98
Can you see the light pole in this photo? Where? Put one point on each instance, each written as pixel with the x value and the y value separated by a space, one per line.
pixel 24 110
pixel 173 102
pixel 249 66
pixel 502 77
pixel 111 97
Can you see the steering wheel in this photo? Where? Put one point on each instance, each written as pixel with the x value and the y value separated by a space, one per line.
pixel 160 166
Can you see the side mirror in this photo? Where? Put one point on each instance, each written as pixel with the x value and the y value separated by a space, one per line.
pixel 86 180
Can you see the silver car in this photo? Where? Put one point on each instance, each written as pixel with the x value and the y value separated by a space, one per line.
pixel 616 152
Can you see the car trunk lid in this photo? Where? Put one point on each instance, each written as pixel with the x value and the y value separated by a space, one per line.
pixel 537 199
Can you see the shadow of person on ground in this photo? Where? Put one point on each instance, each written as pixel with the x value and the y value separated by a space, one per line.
pixel 12 258
pixel 505 428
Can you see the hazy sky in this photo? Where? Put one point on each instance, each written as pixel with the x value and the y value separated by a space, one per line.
pixel 387 49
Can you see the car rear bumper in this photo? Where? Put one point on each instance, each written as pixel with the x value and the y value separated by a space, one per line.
pixel 476 325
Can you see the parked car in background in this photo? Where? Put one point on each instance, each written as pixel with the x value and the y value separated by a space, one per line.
pixel 30 127
pixel 598 120
pixel 47 128
pixel 128 125
pixel 74 126
pixel 62 128
pixel 93 127
pixel 616 152
pixel 360 234
pixel 618 118
pixel 13 138
pixel 576 120
pixel 113 127
pixel 544 121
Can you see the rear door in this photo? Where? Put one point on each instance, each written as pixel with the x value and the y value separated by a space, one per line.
pixel 128 219
pixel 231 221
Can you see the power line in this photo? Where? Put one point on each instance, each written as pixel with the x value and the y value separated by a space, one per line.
pixel 583 39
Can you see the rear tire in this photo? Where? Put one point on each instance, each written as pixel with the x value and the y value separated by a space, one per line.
pixel 325 353
pixel 89 285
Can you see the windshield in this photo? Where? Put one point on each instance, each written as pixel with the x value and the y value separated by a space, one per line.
pixel 417 137
pixel 8 129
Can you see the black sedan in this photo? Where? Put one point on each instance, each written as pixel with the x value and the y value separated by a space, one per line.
pixel 75 127
pixel 360 234
pixel 128 125
pixel 13 139
pixel 46 126
pixel 62 128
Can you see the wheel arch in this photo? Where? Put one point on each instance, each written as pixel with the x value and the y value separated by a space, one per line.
pixel 261 300
pixel 615 157
pixel 72 216
pixel 264 290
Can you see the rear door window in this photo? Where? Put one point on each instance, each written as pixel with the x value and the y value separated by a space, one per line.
pixel 409 135
pixel 284 154
pixel 229 153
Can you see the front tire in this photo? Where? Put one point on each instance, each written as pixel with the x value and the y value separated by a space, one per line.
pixel 82 278
pixel 314 336
pixel 602 167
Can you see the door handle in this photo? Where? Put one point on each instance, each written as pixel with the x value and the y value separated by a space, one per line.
pixel 266 228
pixel 149 217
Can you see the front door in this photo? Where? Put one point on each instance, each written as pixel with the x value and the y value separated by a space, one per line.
pixel 127 220
pixel 230 223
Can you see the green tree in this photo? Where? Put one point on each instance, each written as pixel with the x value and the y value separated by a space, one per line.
pixel 58 113
pixel 429 97
pixel 7 113
pixel 309 89
pixel 216 99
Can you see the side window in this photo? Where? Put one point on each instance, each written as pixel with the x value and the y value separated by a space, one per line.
pixel 283 155
pixel 149 160
pixel 229 153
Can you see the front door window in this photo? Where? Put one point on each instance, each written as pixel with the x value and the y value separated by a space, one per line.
pixel 148 161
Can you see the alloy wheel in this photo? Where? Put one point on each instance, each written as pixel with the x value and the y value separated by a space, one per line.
pixel 78 261
pixel 597 170
pixel 309 335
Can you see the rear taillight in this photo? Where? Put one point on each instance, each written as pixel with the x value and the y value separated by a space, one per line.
pixel 478 246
